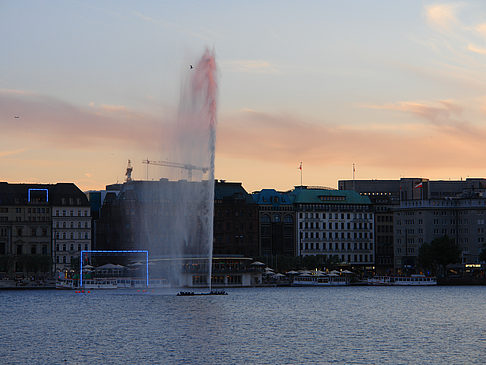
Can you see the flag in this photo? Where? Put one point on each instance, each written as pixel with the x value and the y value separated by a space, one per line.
pixel 300 167
pixel 419 185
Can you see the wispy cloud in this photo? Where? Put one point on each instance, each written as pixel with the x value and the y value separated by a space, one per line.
pixel 144 17
pixel 481 29
pixel 445 115
pixel 12 152
pixel 204 34
pixel 250 66
pixel 476 49
pixel 442 16
pixel 64 125
pixel 285 138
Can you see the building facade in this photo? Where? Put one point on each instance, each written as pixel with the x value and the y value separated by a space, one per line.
pixel 28 227
pixel 235 228
pixel 336 224
pixel 276 225
pixel 385 197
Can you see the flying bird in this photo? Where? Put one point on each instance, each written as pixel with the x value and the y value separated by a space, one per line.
pixel 16 117
pixel 191 67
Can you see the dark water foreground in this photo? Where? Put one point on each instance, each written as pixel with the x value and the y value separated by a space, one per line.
pixel 351 325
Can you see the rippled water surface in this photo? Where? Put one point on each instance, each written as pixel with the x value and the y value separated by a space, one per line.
pixel 353 325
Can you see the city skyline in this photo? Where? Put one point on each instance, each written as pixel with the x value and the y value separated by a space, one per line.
pixel 396 89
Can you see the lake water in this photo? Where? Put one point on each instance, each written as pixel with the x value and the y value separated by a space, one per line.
pixel 351 325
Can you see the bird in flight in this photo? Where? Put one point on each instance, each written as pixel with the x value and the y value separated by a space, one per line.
pixel 191 67
pixel 16 117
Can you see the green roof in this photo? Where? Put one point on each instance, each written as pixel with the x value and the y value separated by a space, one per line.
pixel 321 196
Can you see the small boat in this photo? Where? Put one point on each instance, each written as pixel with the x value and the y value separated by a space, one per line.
pixel 412 280
pixel 191 293
pixel 66 284
pixel 100 284
pixel 320 280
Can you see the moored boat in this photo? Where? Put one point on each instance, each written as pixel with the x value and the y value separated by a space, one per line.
pixel 320 280
pixel 412 280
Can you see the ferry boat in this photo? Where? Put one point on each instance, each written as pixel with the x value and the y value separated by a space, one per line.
pixel 320 280
pixel 100 284
pixel 413 280
pixel 112 283
pixel 87 284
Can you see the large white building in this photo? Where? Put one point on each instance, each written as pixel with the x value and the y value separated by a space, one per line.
pixel 335 223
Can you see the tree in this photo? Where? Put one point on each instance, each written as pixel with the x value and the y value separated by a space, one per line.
pixel 482 254
pixel 437 254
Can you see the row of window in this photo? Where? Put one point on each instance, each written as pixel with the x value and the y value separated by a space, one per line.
pixel 336 246
pixel 34 249
pixel 79 213
pixel 336 235
pixel 337 225
pixel 336 215
pixel 72 235
pixel 353 259
pixel 71 247
pixel 71 224
pixel 276 218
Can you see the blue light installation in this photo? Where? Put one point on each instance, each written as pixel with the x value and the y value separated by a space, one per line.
pixel 113 251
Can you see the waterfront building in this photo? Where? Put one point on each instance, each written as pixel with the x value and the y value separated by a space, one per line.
pixel 457 210
pixel 71 226
pixel 235 228
pixel 336 224
pixel 31 235
pixel 96 199
pixel 385 197
pixel 276 217
pixel 227 271
pixel 423 210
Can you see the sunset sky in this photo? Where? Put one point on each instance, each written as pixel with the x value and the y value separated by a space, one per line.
pixel 396 87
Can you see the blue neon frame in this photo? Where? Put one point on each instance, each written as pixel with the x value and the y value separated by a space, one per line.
pixel 112 251
pixel 46 190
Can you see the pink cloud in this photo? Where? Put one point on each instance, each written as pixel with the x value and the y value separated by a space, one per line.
pixel 63 125
pixel 286 139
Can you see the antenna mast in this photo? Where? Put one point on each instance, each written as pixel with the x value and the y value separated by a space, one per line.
pixel 128 174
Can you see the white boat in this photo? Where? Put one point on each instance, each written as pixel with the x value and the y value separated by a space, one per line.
pixel 87 284
pixel 66 284
pixel 100 284
pixel 320 280
pixel 128 283
pixel 413 280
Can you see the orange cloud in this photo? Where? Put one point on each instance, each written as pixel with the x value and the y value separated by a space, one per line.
pixel 287 139
pixel 476 49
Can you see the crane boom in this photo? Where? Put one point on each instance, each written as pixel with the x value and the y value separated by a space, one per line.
pixel 177 165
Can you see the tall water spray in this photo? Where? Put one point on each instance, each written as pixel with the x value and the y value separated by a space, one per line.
pixel 176 211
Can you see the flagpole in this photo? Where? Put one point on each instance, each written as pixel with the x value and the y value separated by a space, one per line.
pixel 300 168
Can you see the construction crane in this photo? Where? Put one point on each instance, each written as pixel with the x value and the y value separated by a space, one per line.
pixel 176 165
